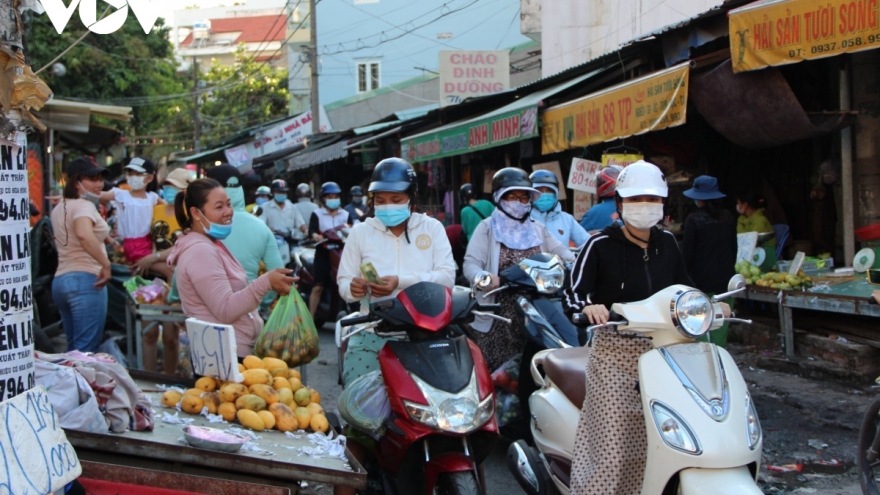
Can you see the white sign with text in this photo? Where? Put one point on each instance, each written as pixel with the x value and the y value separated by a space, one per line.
pixel 213 351
pixel 468 73
pixel 286 134
pixel 582 176
pixel 745 246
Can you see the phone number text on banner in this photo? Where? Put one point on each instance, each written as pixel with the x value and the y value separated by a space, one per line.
pixel 649 103
pixel 790 31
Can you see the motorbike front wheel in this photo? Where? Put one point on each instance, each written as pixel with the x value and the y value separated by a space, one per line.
pixel 868 439
pixel 460 483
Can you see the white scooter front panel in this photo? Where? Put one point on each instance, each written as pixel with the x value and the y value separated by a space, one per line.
pixel 719 428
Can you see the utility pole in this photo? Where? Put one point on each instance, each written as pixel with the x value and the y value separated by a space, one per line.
pixel 313 66
pixel 197 120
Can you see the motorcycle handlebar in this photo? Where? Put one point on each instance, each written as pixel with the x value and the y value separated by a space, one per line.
pixel 356 320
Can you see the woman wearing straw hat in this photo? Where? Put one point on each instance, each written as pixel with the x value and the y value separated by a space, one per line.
pixel 710 243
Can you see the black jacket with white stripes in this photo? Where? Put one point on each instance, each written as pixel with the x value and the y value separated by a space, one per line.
pixel 611 269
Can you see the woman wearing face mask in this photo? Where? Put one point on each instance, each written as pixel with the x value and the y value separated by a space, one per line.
pixel 213 286
pixel 504 239
pixel 548 211
pixel 164 229
pixel 752 219
pixel 83 267
pixel 618 265
pixel 325 218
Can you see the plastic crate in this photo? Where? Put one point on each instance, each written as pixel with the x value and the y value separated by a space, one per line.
pixel 807 266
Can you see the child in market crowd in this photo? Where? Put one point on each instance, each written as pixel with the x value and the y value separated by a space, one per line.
pixel 135 211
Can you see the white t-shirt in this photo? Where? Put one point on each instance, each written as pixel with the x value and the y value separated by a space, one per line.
pixel 135 214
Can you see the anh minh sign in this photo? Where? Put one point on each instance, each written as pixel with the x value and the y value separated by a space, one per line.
pixel 468 73
pixel 790 31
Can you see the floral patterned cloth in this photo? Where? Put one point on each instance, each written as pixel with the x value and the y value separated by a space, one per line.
pixel 512 233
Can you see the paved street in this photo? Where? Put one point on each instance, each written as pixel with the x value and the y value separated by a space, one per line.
pixel 321 374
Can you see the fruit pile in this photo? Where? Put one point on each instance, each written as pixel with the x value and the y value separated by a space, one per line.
pixel 271 396
pixel 773 280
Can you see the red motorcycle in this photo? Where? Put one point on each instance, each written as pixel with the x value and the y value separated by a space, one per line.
pixel 442 422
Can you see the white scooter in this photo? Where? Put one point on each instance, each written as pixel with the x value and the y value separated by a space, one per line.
pixel 702 427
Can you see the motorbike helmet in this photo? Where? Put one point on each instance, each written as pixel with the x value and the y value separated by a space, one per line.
pixel 642 179
pixel 466 193
pixel 512 178
pixel 607 181
pixel 303 191
pixel 544 178
pixel 280 185
pixel 330 188
pixel 394 175
pixel 357 191
pixel 263 191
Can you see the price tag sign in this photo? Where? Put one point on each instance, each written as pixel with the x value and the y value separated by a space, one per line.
pixel 582 176
pixel 797 263
pixel 582 203
pixel 745 246
pixel 212 349
pixel 37 456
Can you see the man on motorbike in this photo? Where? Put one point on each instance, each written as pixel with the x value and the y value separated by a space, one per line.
pixel 620 264
pixel 261 197
pixel 604 213
pixel 325 218
pixel 548 211
pixel 356 209
pixel 403 246
pixel 304 204
pixel 281 216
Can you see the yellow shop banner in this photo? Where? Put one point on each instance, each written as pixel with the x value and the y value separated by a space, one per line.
pixel 649 103
pixel 788 31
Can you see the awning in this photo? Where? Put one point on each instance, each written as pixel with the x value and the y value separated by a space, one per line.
pixel 307 159
pixel 758 110
pixel 649 103
pixel 74 116
pixel 211 155
pixel 360 131
pixel 508 124
pixel 372 138
pixel 780 32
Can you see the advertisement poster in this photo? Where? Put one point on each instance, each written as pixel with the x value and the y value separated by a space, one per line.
pixel 786 32
pixel 621 160
pixel 653 102
pixel 286 134
pixel 16 311
pixel 468 73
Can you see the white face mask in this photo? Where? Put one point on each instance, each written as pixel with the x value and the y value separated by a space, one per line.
pixel 642 216
pixel 136 182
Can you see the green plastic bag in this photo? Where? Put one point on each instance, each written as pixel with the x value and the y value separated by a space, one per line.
pixel 290 334
pixel 134 283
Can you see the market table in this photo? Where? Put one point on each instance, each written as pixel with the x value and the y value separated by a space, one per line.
pixel 847 295
pixel 135 314
pixel 161 449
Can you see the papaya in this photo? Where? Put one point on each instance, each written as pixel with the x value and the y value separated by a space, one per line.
pixel 281 382
pixel 284 418
pixel 253 362
pixel 171 397
pixel 227 410
pixel 253 376
pixel 192 404
pixel 250 419
pixel 264 392
pixel 285 396
pixel 303 417
pixel 268 419
pixel 250 401
pixel 206 384
pixel 319 423
pixel 212 401
pixel 232 391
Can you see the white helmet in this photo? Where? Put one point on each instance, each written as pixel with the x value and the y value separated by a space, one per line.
pixel 642 179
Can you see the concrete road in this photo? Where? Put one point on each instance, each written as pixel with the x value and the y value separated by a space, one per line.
pixel 321 374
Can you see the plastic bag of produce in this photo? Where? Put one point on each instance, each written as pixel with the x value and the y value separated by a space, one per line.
pixel 364 404
pixel 506 377
pixel 290 333
pixel 507 408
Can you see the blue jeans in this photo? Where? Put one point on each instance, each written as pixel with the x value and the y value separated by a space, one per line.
pixel 83 309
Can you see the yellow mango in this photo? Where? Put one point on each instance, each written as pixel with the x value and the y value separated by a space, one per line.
pixel 253 362
pixel 272 363
pixel 284 418
pixel 278 372
pixel 250 401
pixel 319 423
pixel 194 391
pixel 254 376
pixel 302 397
pixel 314 396
pixel 292 373
pixel 285 396
pixel 206 384
pixel 315 408
pixel 227 410
pixel 212 401
pixel 268 419
pixel 171 398
pixel 192 404
pixel 303 417
pixel 280 382
pixel 264 392
pixel 232 391
pixel 250 419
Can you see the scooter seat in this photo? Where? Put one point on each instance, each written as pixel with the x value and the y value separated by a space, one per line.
pixel 567 369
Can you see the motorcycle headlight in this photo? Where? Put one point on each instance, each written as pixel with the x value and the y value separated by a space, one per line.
pixel 692 313
pixel 457 413
pixel 674 431
pixel 549 277
pixel 753 426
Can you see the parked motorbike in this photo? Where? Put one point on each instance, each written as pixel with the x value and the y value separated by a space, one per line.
pixel 702 427
pixel 331 307
pixel 442 422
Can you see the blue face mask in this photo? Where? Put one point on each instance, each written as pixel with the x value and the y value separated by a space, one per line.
pixel 546 202
pixel 261 201
pixel 169 193
pixel 393 215
pixel 332 204
pixel 280 198
pixel 218 231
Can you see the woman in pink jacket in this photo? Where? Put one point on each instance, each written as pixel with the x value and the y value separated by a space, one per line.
pixel 213 286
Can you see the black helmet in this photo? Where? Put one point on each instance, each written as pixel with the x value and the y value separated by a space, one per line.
pixel 510 177
pixel 279 185
pixel 544 178
pixel 330 188
pixel 467 193
pixel 303 191
pixel 357 191
pixel 394 175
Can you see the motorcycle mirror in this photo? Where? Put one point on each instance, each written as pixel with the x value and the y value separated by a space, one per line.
pixel 736 285
pixel 482 280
